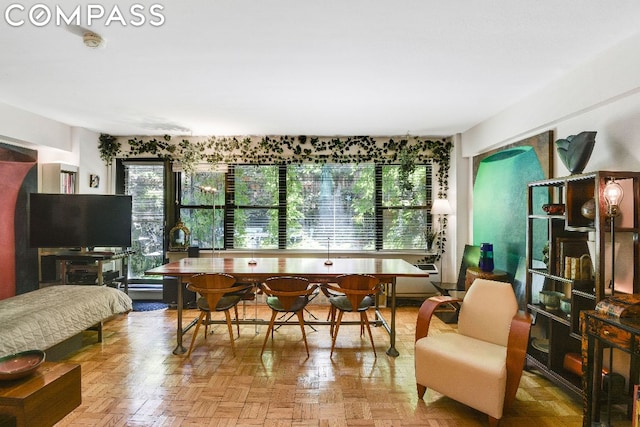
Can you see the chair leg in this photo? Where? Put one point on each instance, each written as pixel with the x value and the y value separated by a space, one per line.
pixel 365 319
pixel 193 338
pixel 335 332
pixel 206 325
pixel 230 327
pixel 235 308
pixel 332 316
pixel 493 422
pixel 269 330
pixel 304 335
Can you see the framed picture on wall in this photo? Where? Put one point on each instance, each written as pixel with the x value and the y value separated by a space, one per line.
pixel 94 181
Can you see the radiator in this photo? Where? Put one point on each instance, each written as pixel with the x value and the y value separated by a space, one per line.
pixel 418 287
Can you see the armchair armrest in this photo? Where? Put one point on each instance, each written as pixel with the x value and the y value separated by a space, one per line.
pixel 426 312
pixel 516 354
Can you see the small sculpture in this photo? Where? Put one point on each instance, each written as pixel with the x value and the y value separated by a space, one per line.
pixel 575 150
pixel 588 209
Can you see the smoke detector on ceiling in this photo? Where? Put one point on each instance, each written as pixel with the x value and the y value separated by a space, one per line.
pixel 92 40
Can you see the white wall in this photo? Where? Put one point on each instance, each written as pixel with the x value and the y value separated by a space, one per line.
pixel 56 143
pixel 602 95
pixel 28 129
pixel 85 143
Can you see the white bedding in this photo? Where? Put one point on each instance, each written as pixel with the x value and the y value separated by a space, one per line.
pixel 45 317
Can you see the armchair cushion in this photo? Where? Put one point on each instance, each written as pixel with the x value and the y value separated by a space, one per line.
pixel 487 311
pixel 441 365
pixel 481 364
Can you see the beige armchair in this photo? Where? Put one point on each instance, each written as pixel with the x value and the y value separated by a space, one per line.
pixel 480 365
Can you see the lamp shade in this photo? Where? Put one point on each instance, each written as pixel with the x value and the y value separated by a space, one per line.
pixel 441 207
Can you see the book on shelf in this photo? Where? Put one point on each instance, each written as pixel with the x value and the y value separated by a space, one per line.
pixel 620 305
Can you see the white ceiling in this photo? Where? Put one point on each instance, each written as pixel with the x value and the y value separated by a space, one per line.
pixel 330 67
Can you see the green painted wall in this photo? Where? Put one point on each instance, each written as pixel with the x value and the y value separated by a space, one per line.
pixel 500 204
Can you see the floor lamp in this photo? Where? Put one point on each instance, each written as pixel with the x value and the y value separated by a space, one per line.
pixel 613 195
pixel 441 207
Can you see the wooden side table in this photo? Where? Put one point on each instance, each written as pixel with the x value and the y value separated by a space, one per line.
pixel 600 331
pixel 44 398
pixel 474 273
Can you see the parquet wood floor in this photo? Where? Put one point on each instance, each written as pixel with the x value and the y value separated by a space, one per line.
pixel 133 379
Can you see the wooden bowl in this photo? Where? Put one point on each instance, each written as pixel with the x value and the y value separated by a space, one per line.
pixel 20 365
pixel 553 208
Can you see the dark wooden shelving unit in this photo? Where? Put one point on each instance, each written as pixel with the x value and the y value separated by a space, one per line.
pixel 571 231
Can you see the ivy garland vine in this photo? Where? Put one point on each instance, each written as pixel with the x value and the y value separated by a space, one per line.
pixel 406 151
pixel 286 149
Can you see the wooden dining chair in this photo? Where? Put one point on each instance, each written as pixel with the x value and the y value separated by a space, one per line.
pixel 218 291
pixel 286 294
pixel 352 293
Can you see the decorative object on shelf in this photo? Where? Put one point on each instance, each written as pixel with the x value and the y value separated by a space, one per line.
pixel 613 195
pixel 572 362
pixel 540 344
pixel 578 268
pixel 486 257
pixel 622 305
pixel 575 150
pixel 553 208
pixel 565 305
pixel 545 255
pixel 21 364
pixel 179 237
pixel 588 209
pixel 551 299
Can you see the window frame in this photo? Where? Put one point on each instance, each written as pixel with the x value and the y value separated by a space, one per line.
pixel 230 206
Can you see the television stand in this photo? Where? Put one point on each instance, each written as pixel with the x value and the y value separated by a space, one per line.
pixel 85 268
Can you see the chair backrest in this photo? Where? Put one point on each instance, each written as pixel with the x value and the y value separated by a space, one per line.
pixel 357 286
pixel 470 257
pixel 212 286
pixel 288 289
pixel 487 310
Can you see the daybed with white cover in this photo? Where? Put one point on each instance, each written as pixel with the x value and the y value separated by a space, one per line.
pixel 43 318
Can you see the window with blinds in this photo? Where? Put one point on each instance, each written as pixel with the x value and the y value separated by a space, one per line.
pixel 307 206
pixel 144 181
pixel 331 205
pixel 254 196
pixel 201 201
pixel 404 214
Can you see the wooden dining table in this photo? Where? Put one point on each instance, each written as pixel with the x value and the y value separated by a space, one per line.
pixel 316 270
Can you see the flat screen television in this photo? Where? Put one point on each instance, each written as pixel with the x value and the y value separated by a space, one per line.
pixel 79 220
